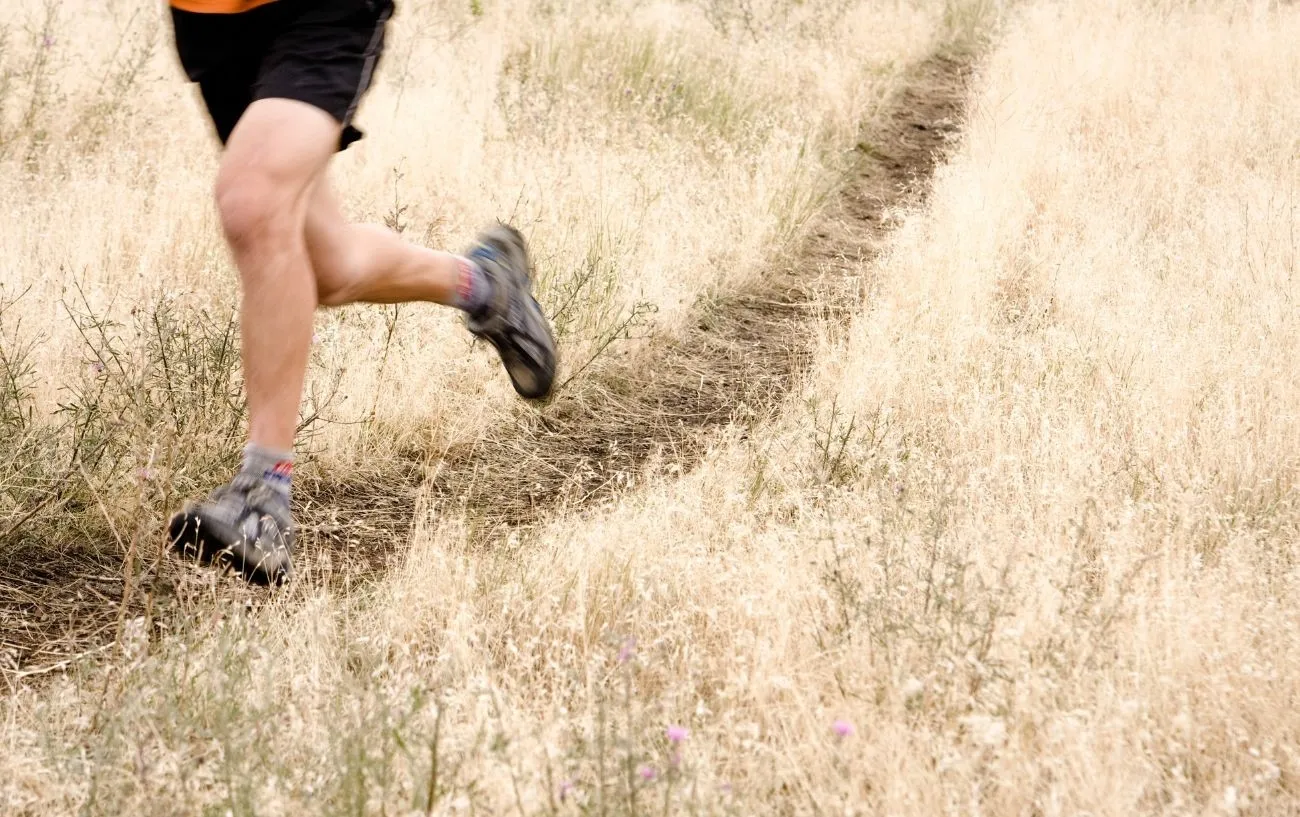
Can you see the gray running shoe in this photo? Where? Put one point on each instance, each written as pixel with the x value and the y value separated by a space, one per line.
pixel 513 321
pixel 244 526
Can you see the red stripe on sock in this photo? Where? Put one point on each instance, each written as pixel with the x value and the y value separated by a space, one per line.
pixel 465 283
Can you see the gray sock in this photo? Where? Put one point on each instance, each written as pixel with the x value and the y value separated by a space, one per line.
pixel 473 289
pixel 275 468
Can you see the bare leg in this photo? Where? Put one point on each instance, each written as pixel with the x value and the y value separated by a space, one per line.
pixel 371 264
pixel 270 167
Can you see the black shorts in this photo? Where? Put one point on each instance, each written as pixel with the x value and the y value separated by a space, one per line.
pixel 322 52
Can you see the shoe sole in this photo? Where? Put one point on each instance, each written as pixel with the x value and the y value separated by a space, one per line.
pixel 189 539
pixel 522 375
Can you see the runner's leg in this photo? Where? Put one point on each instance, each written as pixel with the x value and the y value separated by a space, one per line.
pixel 271 164
pixel 371 264
pixel 493 286
pixel 282 83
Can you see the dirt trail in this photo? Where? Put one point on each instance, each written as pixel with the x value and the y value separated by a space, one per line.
pixel 733 364
pixel 741 354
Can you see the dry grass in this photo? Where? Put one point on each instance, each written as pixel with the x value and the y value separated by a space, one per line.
pixel 1029 525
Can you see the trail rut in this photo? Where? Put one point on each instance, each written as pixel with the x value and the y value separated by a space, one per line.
pixel 739 356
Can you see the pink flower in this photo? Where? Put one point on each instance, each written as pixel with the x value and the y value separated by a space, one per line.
pixel 565 788
pixel 627 651
pixel 677 734
pixel 843 728
pixel 647 773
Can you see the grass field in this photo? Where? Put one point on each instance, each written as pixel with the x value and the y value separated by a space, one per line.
pixel 1019 537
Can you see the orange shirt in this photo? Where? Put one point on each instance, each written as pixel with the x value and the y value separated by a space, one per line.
pixel 218 6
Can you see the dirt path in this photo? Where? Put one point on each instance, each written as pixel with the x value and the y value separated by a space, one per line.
pixel 734 364
pixel 739 357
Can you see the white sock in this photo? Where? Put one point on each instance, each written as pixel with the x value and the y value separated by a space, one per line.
pixel 275 468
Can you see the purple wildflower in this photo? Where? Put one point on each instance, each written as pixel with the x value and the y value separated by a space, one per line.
pixel 627 651
pixel 843 728
pixel 677 734
pixel 97 367
pixel 648 773
pixel 47 41
pixel 565 788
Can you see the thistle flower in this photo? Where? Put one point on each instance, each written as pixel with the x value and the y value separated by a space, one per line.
pixel 627 651
pixel 843 729
pixel 677 734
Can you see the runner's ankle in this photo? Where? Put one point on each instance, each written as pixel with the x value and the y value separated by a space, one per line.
pixel 473 287
pixel 272 467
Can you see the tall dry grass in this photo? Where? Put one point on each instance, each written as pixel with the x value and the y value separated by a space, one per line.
pixel 1023 545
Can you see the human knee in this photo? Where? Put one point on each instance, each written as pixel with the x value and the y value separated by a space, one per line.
pixel 336 262
pixel 333 287
pixel 255 210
